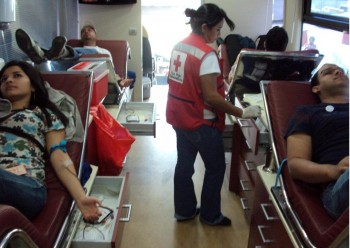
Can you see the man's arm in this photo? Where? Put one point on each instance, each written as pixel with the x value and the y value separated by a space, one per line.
pixel 125 82
pixel 299 153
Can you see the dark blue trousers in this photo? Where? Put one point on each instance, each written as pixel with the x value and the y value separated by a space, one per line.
pixel 208 142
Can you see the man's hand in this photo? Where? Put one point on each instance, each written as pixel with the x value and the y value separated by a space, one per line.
pixel 336 171
pixel 125 82
pixel 344 162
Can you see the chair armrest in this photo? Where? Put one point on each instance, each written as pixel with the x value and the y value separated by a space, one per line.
pixel 11 218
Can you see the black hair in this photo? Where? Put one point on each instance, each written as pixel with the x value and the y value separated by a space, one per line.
pixel 209 14
pixel 276 39
pixel 314 80
pixel 40 97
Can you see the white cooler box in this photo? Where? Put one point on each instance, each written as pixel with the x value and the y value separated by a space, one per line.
pixel 100 75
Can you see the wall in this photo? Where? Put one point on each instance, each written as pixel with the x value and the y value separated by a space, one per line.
pixel 241 13
pixel 113 22
pixel 293 23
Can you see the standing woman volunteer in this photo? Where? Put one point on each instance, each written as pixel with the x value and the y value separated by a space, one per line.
pixel 196 109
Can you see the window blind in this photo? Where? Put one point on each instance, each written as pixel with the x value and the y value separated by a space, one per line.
pixel 42 20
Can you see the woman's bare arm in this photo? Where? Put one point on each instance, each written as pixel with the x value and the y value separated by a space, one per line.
pixel 214 99
pixel 65 171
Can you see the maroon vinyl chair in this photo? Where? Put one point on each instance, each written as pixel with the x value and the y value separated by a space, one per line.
pixel 310 223
pixel 49 228
pixel 119 49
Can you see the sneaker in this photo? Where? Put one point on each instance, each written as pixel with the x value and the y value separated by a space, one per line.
pixel 57 48
pixel 29 47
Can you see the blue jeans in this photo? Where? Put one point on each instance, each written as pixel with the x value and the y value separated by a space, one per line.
pixel 78 51
pixel 208 141
pixel 65 63
pixel 335 197
pixel 26 194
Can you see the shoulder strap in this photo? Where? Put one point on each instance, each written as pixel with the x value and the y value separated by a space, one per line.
pixel 7 116
pixel 24 135
pixel 259 42
pixel 233 47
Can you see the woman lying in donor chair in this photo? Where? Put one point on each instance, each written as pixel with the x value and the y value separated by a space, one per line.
pixel 32 129
pixel 63 55
pixel 318 139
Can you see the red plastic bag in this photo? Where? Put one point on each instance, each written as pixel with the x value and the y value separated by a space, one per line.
pixel 113 142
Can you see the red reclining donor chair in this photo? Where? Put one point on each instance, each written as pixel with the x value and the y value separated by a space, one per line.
pixel 302 206
pixel 49 228
pixel 119 50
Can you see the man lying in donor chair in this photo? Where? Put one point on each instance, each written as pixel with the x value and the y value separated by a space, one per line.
pixel 62 55
pixel 318 140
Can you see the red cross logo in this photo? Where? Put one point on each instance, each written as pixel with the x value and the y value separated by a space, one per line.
pixel 177 63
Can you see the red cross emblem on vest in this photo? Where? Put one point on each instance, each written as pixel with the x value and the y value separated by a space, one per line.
pixel 177 63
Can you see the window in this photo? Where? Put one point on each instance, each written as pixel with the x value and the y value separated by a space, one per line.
pixel 326 28
pixel 333 14
pixel 35 27
pixel 278 13
pixel 160 19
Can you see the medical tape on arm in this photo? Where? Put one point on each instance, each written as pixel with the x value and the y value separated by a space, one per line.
pixel 67 163
pixel 63 147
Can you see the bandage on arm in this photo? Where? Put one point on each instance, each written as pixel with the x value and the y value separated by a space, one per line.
pixel 64 161
pixel 67 163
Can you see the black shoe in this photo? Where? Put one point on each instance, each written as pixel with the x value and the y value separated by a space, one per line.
pixel 224 222
pixel 29 47
pixel 57 47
